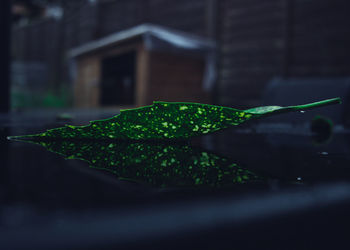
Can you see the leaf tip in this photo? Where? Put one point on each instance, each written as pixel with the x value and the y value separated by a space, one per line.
pixel 20 137
pixel 10 138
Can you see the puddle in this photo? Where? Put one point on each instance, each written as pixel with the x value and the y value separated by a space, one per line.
pixel 155 163
pixel 259 167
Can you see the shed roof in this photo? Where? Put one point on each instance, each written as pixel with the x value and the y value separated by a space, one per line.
pixel 154 37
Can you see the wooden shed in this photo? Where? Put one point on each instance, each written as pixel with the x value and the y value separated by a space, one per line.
pixel 143 64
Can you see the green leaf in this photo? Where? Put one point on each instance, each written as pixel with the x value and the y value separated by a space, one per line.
pixel 170 120
pixel 154 163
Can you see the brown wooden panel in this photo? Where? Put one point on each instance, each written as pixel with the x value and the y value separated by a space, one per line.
pixel 176 78
pixel 86 91
pixel 142 76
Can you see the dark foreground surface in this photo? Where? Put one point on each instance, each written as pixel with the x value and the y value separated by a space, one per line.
pixel 301 199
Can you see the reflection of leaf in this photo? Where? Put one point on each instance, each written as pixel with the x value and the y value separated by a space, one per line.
pixel 170 120
pixel 159 164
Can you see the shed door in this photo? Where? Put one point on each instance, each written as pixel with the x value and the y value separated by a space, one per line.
pixel 118 80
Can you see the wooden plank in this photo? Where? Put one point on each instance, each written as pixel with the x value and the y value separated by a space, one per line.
pixel 86 87
pixel 142 76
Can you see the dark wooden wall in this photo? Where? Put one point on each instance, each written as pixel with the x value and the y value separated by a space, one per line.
pixel 320 40
pixel 181 14
pixel 41 42
pixel 251 35
pixel 258 40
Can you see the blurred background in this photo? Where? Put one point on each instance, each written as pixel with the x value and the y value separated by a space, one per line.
pixel 72 61
pixel 113 53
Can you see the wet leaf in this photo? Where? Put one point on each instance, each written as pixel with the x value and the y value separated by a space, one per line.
pixel 155 163
pixel 170 120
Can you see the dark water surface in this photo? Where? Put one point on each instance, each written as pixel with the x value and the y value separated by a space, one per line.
pixel 258 186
